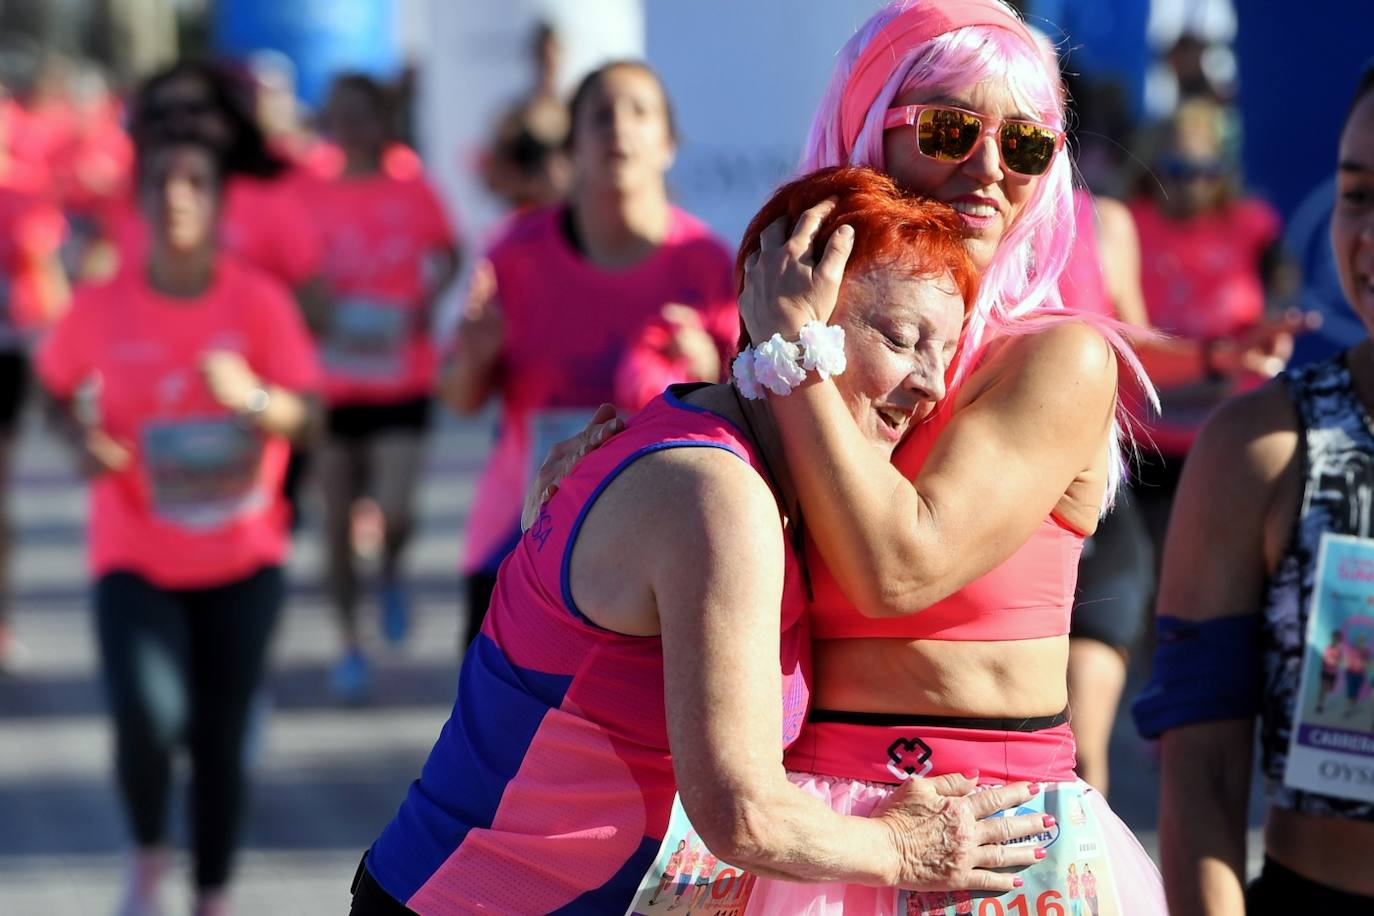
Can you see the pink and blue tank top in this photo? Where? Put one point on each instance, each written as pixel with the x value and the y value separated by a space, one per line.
pixel 550 787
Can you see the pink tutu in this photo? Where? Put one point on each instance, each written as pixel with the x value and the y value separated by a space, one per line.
pixel 1137 879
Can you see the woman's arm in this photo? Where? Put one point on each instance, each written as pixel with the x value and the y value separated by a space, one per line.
pixel 1029 422
pixel 1229 525
pixel 707 538
pixel 274 409
pixel 94 451
pixel 469 375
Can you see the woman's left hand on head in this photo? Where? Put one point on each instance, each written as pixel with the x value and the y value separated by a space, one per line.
pixel 229 378
pixel 785 285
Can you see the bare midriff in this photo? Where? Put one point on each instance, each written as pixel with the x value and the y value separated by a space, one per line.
pixel 1333 851
pixel 1008 679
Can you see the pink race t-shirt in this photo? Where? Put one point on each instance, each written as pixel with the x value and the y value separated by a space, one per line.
pixel 1201 280
pixel 569 328
pixel 262 222
pixel 200 504
pixel 1201 277
pixel 378 232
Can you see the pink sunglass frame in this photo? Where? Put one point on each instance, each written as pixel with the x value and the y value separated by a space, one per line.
pixel 907 115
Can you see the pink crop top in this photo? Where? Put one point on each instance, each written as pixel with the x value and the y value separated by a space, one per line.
pixel 1028 596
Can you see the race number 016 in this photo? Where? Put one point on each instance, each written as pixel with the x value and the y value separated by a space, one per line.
pixel 1047 904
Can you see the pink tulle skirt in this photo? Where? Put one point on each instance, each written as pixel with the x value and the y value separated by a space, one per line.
pixel 1137 878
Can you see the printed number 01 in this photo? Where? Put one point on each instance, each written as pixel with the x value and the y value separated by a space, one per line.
pixel 1047 904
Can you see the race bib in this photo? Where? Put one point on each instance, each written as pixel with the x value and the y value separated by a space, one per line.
pixel 1074 879
pixel 550 427
pixel 686 878
pixel 366 338
pixel 1331 750
pixel 203 472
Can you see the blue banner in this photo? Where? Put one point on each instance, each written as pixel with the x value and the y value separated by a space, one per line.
pixel 321 37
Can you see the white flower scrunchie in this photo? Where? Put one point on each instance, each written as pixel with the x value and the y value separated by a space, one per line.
pixel 742 369
pixel 779 365
pixel 823 348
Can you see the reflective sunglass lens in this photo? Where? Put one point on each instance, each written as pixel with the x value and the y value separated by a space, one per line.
pixel 947 134
pixel 1027 148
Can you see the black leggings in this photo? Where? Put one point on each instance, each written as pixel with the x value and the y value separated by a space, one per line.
pixel 370 900
pixel 181 668
pixel 1279 891
pixel 479 588
pixel 1116 579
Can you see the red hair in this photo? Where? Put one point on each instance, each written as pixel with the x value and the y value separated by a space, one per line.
pixel 893 228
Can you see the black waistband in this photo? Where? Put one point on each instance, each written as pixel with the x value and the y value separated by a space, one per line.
pixel 1032 724
pixel 1281 890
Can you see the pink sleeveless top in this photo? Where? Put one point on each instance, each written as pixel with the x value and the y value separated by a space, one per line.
pixel 1028 596
pixel 551 785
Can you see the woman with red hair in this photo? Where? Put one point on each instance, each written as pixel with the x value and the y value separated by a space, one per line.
pixel 944 575
pixel 650 626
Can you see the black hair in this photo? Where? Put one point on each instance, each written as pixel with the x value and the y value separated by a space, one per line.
pixel 593 80
pixel 247 152
pixel 1362 88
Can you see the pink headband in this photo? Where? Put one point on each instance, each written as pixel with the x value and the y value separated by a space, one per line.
pixel 912 27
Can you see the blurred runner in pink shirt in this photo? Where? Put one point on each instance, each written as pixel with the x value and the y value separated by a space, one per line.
pixel 198 370
pixel 33 292
pixel 263 220
pixel 390 253
pixel 606 299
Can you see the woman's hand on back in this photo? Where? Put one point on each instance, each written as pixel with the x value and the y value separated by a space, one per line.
pixel 785 285
pixel 563 457
pixel 948 839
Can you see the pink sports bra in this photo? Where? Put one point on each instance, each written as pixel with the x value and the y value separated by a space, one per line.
pixel 1028 596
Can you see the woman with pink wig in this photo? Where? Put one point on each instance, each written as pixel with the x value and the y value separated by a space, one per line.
pixel 944 578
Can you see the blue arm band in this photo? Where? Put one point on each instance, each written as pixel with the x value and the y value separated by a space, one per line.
pixel 1203 672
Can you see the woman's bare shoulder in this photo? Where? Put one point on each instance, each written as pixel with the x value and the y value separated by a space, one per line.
pixel 1068 362
pixel 1254 435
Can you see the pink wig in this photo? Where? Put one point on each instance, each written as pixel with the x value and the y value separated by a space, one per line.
pixel 1019 291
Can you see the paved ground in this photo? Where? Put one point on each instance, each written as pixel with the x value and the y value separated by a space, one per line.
pixel 328 778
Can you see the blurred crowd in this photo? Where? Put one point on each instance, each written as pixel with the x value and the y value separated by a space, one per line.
pixel 225 298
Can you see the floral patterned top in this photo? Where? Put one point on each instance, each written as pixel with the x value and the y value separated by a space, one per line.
pixel 1336 445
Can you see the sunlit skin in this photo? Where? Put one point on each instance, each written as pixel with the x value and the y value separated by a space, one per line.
pixel 963 678
pixel 897 344
pixel 900 334
pixel 1352 219
pixel 980 181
